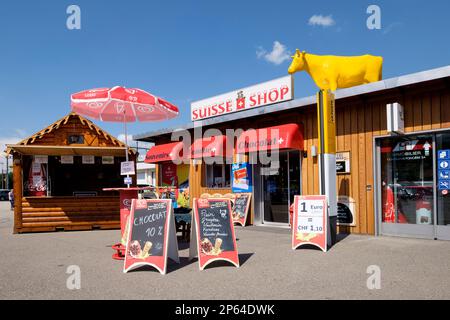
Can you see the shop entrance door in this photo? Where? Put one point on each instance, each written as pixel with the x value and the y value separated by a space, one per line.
pixel 278 187
pixel 414 185
pixel 407 186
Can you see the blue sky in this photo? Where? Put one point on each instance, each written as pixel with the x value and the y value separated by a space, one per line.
pixel 189 50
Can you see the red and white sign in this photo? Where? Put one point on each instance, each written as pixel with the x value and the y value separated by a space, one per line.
pixel 310 222
pixel 286 136
pixel 214 146
pixel 259 95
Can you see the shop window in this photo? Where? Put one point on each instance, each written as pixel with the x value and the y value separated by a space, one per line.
pixel 407 179
pixel 218 176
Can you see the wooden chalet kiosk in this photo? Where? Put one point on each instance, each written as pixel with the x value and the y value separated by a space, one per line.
pixel 59 175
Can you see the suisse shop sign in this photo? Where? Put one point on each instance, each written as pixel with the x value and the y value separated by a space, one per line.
pixel 259 95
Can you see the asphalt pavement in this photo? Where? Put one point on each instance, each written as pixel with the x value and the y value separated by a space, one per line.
pixel 34 266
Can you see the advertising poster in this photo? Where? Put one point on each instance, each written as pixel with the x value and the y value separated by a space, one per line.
pixel 36 186
pixel 241 174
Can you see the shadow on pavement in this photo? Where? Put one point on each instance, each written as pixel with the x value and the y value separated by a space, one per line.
pixel 171 266
pixel 243 257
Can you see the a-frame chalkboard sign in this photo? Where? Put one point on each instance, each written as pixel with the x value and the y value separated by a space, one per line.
pixel 241 208
pixel 152 237
pixel 212 232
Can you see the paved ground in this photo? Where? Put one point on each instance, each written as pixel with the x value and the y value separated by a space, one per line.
pixel 33 266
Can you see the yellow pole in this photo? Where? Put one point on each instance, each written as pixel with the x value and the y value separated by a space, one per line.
pixel 326 119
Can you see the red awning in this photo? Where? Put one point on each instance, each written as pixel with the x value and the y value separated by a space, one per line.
pixel 287 136
pixel 165 152
pixel 209 147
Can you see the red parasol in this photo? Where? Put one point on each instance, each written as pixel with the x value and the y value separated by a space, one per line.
pixel 121 104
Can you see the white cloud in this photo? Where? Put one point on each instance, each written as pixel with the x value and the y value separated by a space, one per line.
pixel 320 20
pixel 392 26
pixel 3 142
pixel 278 55
pixel 7 140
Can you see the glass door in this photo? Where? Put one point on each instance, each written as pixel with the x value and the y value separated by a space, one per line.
pixel 443 186
pixel 278 186
pixel 407 185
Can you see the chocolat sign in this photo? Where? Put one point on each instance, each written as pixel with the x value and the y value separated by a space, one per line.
pixel 212 231
pixel 241 208
pixel 310 222
pixel 259 95
pixel 151 236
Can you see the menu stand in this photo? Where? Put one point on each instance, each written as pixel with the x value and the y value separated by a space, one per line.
pixel 126 195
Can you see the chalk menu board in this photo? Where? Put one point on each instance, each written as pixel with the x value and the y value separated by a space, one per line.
pixel 148 226
pixel 151 225
pixel 214 231
pixel 241 208
pixel 344 214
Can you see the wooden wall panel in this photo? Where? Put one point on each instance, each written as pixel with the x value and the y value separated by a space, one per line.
pixel 445 109
pixel 417 114
pixel 368 190
pixel 435 111
pixel 408 110
pixel 426 112
pixel 68 213
pixel 362 170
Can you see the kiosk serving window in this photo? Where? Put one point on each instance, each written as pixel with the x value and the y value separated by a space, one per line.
pixel 59 177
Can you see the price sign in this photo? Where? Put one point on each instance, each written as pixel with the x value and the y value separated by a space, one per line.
pixel 310 222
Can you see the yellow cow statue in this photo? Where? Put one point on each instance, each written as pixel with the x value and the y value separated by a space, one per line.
pixel 333 72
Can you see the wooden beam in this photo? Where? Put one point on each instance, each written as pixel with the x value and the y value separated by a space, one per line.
pixel 18 191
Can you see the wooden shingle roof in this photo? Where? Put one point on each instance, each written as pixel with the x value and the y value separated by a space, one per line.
pixel 63 121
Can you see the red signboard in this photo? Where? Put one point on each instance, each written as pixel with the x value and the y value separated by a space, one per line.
pixel 310 222
pixel 165 152
pixel 169 174
pixel 152 235
pixel 213 235
pixel 125 206
pixel 286 136
pixel 214 146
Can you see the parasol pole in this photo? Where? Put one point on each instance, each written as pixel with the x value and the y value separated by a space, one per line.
pixel 126 140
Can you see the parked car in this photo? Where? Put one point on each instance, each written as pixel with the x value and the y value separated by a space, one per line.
pixel 4 195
